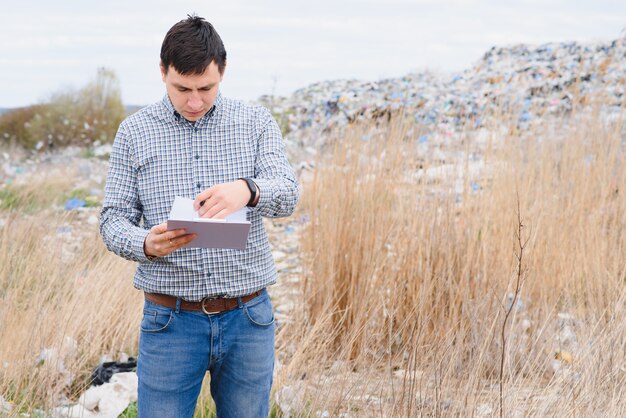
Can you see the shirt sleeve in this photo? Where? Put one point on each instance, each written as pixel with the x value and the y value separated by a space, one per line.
pixel 122 210
pixel 273 174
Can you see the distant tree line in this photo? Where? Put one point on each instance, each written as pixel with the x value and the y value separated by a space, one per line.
pixel 81 117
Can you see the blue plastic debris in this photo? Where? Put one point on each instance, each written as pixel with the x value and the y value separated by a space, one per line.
pixel 525 117
pixel 74 203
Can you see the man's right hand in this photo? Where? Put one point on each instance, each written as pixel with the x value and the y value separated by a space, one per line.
pixel 161 242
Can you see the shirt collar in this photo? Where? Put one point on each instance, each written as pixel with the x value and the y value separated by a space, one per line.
pixel 172 113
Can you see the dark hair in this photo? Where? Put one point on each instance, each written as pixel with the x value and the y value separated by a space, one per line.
pixel 191 45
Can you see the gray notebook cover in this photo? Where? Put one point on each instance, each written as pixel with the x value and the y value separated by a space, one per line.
pixel 231 232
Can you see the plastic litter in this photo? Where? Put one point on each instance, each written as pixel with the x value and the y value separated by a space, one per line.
pixel 54 360
pixel 519 302
pixel 74 203
pixel 103 150
pixel 103 373
pixel 566 335
pixel 290 398
pixel 565 346
pixel 108 400
pixel 64 231
pixel 12 170
pixel 5 407
pixel 483 410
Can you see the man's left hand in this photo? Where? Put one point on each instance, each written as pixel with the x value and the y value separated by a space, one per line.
pixel 221 200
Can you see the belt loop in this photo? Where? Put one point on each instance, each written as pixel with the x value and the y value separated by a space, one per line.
pixel 178 300
pixel 239 303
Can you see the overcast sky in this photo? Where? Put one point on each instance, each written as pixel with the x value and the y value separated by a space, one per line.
pixel 276 45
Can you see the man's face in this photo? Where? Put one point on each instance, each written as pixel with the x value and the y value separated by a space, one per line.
pixel 192 95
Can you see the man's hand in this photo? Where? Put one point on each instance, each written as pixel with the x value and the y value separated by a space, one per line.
pixel 223 199
pixel 161 242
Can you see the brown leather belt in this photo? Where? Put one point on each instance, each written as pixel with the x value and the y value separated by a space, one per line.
pixel 209 306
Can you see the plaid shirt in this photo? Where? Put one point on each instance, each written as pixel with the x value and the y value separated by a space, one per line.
pixel 157 155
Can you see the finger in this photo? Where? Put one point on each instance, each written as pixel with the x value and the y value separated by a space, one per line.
pixel 175 233
pixel 162 229
pixel 159 229
pixel 221 214
pixel 214 210
pixel 173 239
pixel 186 239
pixel 181 241
pixel 201 198
pixel 170 245
pixel 202 209
pixel 165 239
pixel 201 206
pixel 207 206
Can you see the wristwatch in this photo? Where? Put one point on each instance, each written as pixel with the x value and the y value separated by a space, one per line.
pixel 253 189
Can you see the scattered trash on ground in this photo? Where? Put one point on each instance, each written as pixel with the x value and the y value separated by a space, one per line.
pixel 54 360
pixel 108 400
pixel 103 373
pixel 74 203
pixel 5 407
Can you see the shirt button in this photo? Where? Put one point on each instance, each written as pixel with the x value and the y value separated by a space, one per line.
pixel 198 185
pixel 197 157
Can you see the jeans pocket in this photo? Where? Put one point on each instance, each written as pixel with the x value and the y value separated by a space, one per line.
pixel 260 314
pixel 156 320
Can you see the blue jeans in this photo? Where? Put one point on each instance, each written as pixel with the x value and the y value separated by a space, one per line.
pixel 177 348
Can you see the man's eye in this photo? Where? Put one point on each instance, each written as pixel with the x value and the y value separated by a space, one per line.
pixel 183 90
pixel 205 88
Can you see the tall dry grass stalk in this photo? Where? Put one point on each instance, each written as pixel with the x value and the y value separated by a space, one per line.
pixel 407 277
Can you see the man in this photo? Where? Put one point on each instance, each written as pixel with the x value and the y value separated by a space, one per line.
pixel 205 309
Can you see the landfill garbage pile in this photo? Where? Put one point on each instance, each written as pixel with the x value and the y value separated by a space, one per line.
pixel 523 81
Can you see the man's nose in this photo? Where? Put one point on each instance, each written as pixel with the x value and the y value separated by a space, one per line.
pixel 194 102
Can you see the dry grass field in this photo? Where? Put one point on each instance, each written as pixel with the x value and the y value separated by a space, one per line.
pixel 426 288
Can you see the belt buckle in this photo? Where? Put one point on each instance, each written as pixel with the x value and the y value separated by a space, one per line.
pixel 204 310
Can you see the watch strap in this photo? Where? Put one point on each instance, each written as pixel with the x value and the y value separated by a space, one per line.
pixel 253 189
